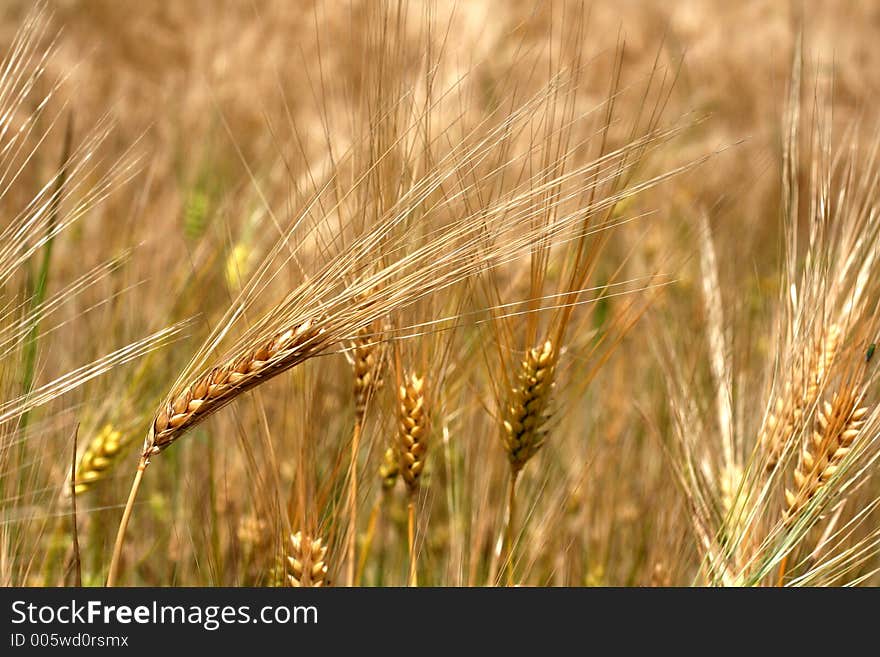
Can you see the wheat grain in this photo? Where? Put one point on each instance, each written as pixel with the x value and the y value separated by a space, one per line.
pixel 389 470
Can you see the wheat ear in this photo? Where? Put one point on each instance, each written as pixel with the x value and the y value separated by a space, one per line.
pixel 99 456
pixel 412 451
pixel 799 392
pixel 524 432
pixel 837 424
pixel 211 391
pixel 307 561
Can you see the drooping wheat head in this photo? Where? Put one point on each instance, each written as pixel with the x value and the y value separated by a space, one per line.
pixel 221 384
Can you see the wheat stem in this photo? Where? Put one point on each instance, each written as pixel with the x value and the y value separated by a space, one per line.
pixel 368 542
pixel 113 573
pixel 352 504
pixel 410 535
pixel 781 578
pixel 511 517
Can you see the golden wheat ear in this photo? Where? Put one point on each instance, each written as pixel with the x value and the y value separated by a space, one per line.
pixel 528 405
pixel 800 391
pixel 101 454
pixel 211 391
pixel 838 423
pixel 306 561
pixel 412 433
pixel 412 430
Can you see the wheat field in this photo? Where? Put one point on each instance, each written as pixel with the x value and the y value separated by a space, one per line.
pixel 439 293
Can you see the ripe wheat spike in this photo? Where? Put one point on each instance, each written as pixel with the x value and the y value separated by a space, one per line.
pixel 307 561
pixel 412 430
pixel 528 404
pixel 220 385
pixel 99 456
pixel 837 425
pixel 798 394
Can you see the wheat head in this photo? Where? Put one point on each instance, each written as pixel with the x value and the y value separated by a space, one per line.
pixel 223 383
pixel 837 425
pixel 412 430
pixel 307 561
pixel 99 456
pixel 528 404
pixel 799 392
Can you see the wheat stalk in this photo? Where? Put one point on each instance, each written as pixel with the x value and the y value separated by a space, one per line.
pixel 307 561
